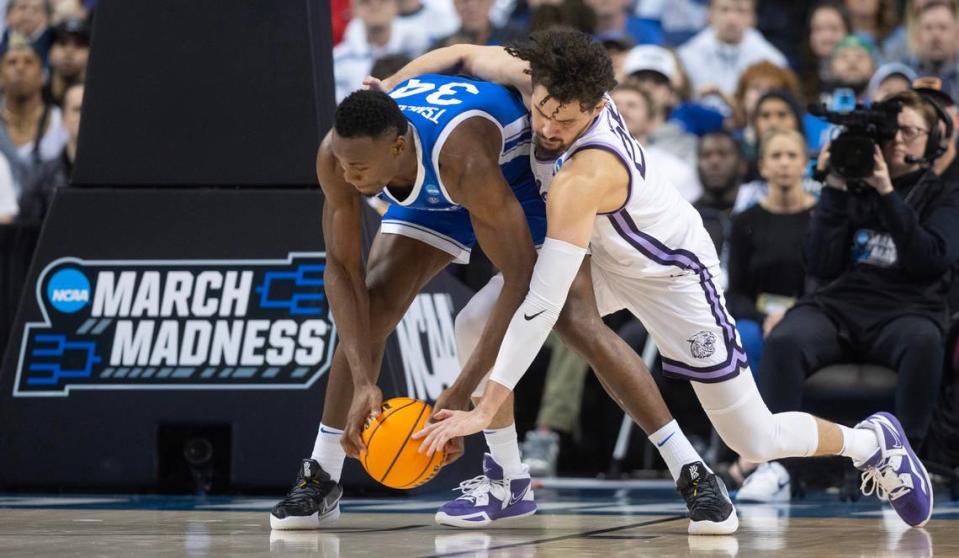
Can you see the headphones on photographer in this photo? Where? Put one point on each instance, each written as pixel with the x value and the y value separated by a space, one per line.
pixel 937 143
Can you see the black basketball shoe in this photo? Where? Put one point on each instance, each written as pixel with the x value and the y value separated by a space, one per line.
pixel 312 502
pixel 711 512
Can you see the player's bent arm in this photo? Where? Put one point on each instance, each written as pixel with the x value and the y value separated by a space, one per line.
pixel 345 277
pixel 488 63
pixel 593 181
pixel 474 180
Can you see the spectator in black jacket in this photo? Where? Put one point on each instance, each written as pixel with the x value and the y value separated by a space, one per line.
pixel 883 257
pixel 766 268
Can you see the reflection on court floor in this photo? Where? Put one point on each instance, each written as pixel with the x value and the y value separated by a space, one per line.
pixel 643 518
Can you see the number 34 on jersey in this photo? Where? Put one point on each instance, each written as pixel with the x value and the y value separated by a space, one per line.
pixel 440 96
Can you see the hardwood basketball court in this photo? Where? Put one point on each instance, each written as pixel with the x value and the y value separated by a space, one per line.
pixel 591 518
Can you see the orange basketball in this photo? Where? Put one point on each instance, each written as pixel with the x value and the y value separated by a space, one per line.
pixel 391 457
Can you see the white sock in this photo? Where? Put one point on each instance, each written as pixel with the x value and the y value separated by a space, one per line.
pixel 504 447
pixel 328 452
pixel 675 449
pixel 858 443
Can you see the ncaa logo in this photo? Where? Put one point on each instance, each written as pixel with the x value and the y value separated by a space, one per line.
pixel 68 290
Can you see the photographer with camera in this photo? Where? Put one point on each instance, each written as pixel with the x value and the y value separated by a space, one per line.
pixel 881 244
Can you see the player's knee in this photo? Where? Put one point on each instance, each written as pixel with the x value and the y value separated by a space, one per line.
pixel 758 445
pixel 756 452
pixel 778 436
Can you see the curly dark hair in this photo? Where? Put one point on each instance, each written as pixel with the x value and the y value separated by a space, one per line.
pixel 368 113
pixel 568 64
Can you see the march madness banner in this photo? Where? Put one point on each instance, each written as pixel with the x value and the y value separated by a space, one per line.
pixel 177 324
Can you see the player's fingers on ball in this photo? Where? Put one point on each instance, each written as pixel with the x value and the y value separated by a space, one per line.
pixel 443 414
pixel 430 443
pixel 424 434
pixel 442 446
pixel 428 428
pixel 356 441
pixel 439 443
pixel 350 448
pixel 436 442
pixel 425 444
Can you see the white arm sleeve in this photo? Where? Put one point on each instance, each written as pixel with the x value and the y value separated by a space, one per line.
pixel 555 269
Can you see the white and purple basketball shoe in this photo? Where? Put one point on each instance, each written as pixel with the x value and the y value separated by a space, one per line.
pixel 895 473
pixel 489 497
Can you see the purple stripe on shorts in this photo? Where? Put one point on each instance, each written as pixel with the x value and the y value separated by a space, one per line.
pixel 684 259
pixel 727 370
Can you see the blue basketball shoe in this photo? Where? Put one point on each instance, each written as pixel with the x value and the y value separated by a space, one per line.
pixel 489 497
pixel 895 473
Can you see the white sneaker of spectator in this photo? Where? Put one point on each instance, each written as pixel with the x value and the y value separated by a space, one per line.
pixel 540 453
pixel 768 483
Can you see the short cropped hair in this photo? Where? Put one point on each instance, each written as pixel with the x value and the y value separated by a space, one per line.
pixel 367 113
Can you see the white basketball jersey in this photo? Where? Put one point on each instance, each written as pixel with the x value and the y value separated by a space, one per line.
pixel 656 233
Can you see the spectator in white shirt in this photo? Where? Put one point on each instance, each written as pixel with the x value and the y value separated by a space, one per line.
pixel 423 21
pixel 680 19
pixel 653 69
pixel 716 56
pixel 637 109
pixel 382 35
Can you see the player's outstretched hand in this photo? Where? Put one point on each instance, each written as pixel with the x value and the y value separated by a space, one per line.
pixel 451 398
pixel 375 84
pixel 448 425
pixel 365 406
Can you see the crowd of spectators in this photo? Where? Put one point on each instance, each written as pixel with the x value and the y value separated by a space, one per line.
pixel 718 91
pixel 44 47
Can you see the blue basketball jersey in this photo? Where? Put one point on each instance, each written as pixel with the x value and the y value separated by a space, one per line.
pixel 434 105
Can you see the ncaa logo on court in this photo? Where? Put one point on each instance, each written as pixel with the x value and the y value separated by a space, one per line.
pixel 68 290
pixel 177 324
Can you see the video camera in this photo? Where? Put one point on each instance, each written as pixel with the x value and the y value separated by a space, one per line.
pixel 851 153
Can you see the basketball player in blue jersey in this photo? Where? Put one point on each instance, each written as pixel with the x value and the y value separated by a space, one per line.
pixel 453 155
pixel 452 160
pixel 650 254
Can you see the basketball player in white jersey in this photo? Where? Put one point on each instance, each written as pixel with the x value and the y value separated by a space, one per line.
pixel 649 253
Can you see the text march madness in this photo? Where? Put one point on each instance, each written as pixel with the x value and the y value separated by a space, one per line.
pixel 177 324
